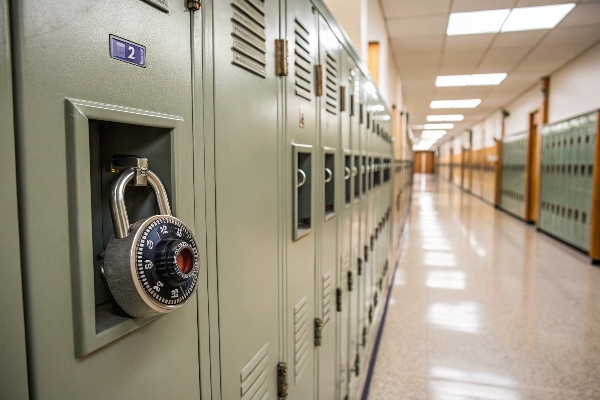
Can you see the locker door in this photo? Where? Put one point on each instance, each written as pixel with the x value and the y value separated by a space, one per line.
pixel 347 228
pixel 327 220
pixel 301 144
pixel 13 380
pixel 133 92
pixel 245 201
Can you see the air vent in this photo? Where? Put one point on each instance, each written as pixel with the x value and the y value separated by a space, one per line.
pixel 249 37
pixel 254 376
pixel 331 88
pixel 327 298
pixel 303 62
pixel 301 338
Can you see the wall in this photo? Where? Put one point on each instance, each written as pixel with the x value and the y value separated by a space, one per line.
pixel 518 120
pixel 574 88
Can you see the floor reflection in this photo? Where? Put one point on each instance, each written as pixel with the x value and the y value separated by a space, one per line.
pixel 460 317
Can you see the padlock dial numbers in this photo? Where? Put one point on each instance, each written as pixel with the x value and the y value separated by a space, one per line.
pixel 162 290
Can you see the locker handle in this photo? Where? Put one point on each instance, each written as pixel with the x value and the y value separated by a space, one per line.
pixel 347 176
pixel 354 171
pixel 328 173
pixel 303 181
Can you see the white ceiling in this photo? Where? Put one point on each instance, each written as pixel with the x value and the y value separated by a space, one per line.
pixel 422 51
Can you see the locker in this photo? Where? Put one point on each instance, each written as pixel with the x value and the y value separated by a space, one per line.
pixel 13 376
pixel 301 131
pixel 327 254
pixel 65 112
pixel 245 233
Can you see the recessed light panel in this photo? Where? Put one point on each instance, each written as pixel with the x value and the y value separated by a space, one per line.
pixel 471 103
pixel 469 80
pixel 439 126
pixel 468 23
pixel 533 18
pixel 442 118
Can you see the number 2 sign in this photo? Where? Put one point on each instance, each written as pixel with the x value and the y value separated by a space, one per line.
pixel 127 51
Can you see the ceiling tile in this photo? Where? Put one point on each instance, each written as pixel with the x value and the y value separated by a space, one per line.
pixel 423 26
pixel 521 39
pixel 462 56
pixel 568 35
pixel 469 42
pixel 532 3
pixel 506 54
pixel 409 8
pixel 478 5
pixel 489 66
pixel 583 14
pixel 424 71
pixel 418 44
pixel 458 68
pixel 417 59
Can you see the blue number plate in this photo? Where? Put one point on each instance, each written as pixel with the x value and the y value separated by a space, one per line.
pixel 126 51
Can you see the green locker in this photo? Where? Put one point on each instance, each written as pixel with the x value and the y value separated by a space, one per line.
pixel 90 85
pixel 512 184
pixel 13 379
pixel 566 187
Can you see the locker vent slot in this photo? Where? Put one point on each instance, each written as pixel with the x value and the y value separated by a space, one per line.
pixel 303 62
pixel 331 88
pixel 254 375
pixel 301 338
pixel 249 38
pixel 327 298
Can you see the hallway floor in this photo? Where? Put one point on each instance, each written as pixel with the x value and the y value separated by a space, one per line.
pixel 485 307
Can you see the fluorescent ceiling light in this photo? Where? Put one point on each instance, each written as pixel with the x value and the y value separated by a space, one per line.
pixel 440 118
pixel 506 20
pixel 532 18
pixel 469 80
pixel 432 135
pixel 439 126
pixel 468 23
pixel 471 103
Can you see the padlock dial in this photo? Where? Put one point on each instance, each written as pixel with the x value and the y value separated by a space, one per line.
pixel 167 262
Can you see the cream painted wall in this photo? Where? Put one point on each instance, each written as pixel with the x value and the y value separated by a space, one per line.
pixel 519 110
pixel 575 89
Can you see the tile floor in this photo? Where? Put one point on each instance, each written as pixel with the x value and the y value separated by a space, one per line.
pixel 485 307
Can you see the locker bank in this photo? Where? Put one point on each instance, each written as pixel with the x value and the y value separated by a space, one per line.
pixel 206 201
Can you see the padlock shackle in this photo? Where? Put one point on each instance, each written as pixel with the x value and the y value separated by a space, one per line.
pixel 117 199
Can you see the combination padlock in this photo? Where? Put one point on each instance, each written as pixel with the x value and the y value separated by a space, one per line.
pixel 151 267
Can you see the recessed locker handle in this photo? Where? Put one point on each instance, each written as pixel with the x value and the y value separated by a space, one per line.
pixel 347 176
pixel 303 180
pixel 328 175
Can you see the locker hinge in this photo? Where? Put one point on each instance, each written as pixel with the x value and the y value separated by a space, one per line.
pixel 372 242
pixel 352 105
pixel 319 71
pixel 368 120
pixel 360 114
pixel 364 336
pixel 281 57
pixel 194 5
pixel 380 283
pixel 366 253
pixel 282 382
pixel 359 267
pixel 357 365
pixel 338 299
pixel 370 314
pixel 318 331
pixel 350 280
pixel 342 98
pixel 376 299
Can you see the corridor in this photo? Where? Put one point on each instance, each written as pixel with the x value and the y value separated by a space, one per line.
pixel 485 307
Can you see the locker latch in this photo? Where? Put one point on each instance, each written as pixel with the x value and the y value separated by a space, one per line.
pixel 370 314
pixel 380 283
pixel 372 242
pixel 338 299
pixel 366 253
pixel 342 98
pixel 357 365
pixel 318 331
pixel 350 280
pixel 359 267
pixel 364 336
pixel 376 299
pixel 282 383
pixel 281 57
